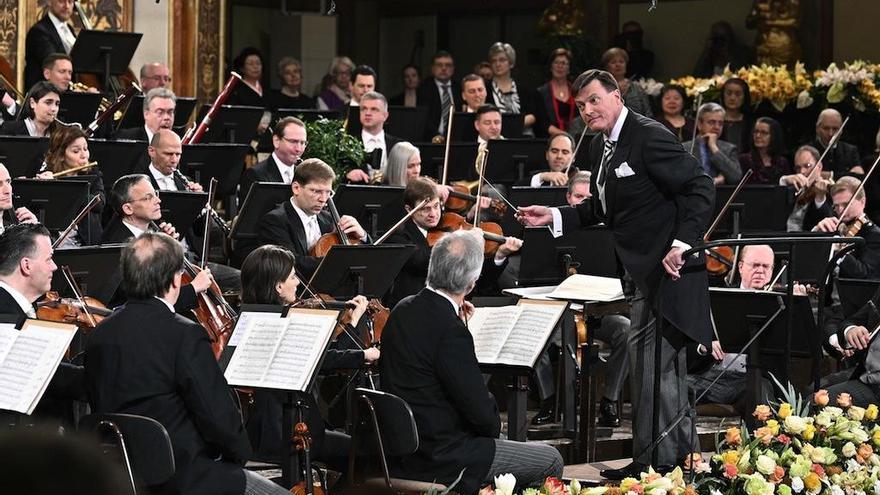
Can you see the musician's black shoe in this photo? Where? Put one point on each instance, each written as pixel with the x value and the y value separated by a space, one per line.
pixel 631 470
pixel 546 413
pixel 608 414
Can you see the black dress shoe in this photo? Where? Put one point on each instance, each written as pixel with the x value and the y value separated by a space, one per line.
pixel 608 415
pixel 546 413
pixel 631 470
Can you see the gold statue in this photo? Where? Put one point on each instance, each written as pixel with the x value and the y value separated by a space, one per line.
pixel 777 22
pixel 563 18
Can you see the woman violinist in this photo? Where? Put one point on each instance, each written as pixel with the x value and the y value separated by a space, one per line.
pixel 268 276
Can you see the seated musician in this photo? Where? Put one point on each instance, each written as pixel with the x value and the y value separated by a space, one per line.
pixel 154 75
pixel 414 231
pixel 37 116
pixel 299 223
pixel 560 155
pixel 26 268
pixel 136 208
pixel 164 151
pixel 69 149
pixel 9 215
pixel 373 114
pixel 289 139
pixel 268 277
pixel 488 124
pixel 864 261
pixel 816 204
pixel 473 92
pixel 159 105
pixel 144 359
pixel 51 34
pixel 58 70
pixel 404 164
pixel 428 360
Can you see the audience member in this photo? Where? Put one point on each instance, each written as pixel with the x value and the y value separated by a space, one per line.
pixel 614 60
pixel 290 95
pixel 411 78
pixel 672 100
pixel 737 103
pixel 717 157
pixel 844 157
pixel 473 92
pixel 504 92
pixel 559 107
pixel 250 91
pixel 363 81
pixel 438 93
pixel 338 93
pixel 766 160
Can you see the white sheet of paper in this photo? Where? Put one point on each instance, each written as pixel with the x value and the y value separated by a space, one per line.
pixel 530 332
pixel 244 319
pixel 588 288
pixel 490 327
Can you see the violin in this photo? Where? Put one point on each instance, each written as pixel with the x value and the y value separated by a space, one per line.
pixel 854 226
pixel 211 311
pixel 720 260
pixel 302 439
pixel 86 314
pixel 450 222
pixel 327 241
pixel 460 199
pixel 377 316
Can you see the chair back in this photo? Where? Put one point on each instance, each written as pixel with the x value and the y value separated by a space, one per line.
pixel 389 416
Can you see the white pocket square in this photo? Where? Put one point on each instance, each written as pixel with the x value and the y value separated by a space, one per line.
pixel 624 170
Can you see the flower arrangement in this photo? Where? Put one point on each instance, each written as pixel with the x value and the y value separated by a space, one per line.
pixel 650 86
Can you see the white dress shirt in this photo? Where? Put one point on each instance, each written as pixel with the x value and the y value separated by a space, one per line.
pixel 310 225
pixel 22 301
pixel 372 142
pixel 63 29
pixel 285 170
pixel 166 182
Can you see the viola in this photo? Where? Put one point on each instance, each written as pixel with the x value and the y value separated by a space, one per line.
pixel 87 314
pixel 327 241
pixel 211 311
pixel 450 222
pixel 376 313
pixel 302 439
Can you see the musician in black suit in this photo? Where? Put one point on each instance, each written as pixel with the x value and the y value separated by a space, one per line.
pixel 806 215
pixel 51 34
pixel 9 215
pixel 289 140
pixel 864 261
pixel 428 360
pixel 559 156
pixel 37 117
pixel 411 278
pixel 437 89
pixel 657 201
pixel 26 268
pixel 144 359
pixel 159 105
pixel 299 223
pixel 844 157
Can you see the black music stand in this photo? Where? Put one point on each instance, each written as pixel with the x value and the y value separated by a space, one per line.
pixel 262 198
pixel 546 260
pixel 305 114
pixel 347 271
pixel 739 313
pixel 22 155
pixel 855 293
pixel 54 202
pixel 511 159
pixel 107 53
pixel 118 157
pixel 765 208
pixel 95 269
pixel 79 108
pixel 462 160
pixel 407 123
pixel 233 124
pixel 463 129
pixel 352 116
pixel 181 208
pixel 376 208
pixel 526 196
pixel 134 112
pixel 811 257
pixel 224 162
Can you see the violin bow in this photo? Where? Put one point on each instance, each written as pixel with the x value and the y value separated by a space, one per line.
pixel 831 144
pixel 207 232
pixel 400 222
pixel 573 156
pixel 742 182
pixel 68 276
pixel 448 144
pixel 95 201
pixel 858 189
pixel 696 120
pixel 308 288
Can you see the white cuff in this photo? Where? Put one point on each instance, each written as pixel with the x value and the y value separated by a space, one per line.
pixel 536 180
pixel 682 245
pixel 556 228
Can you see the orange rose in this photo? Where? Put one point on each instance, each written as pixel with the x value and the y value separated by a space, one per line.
pixel 777 475
pixel 762 412
pixel 733 436
pixel 864 453
pixel 821 397
pixel 844 399
pixel 765 434
pixel 730 471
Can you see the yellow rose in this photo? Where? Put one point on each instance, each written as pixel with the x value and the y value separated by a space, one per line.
pixel 773 425
pixel 871 412
pixel 809 431
pixel 733 436
pixel 730 457
pixel 764 434
pixel 784 410
pixel 875 437
pixel 812 482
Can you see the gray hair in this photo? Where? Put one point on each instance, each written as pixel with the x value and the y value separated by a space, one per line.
pixel 809 149
pixel 158 93
pixel 828 112
pixel 398 158
pixel 456 261
pixel 579 178
pixel 504 48
pixel 710 107
pixel 375 95
pixel 337 61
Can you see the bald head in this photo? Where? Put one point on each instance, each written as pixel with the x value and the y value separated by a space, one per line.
pixel 165 151
pixel 756 266
pixel 154 75
pixel 827 125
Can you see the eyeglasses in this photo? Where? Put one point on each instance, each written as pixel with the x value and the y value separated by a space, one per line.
pixel 805 166
pixel 295 142
pixel 159 78
pixel 148 198
pixel 755 266
pixel 320 192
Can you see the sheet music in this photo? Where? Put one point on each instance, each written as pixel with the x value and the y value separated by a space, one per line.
pixel 588 288
pixel 8 334
pixel 490 328
pixel 30 363
pixel 530 333
pixel 281 353
pixel 245 319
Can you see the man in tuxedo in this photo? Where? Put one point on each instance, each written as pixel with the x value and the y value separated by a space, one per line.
pixel 804 217
pixel 144 359
pixel 439 92
pixel 473 92
pixel 299 223
pixel 844 158
pixel 58 70
pixel 373 114
pixel 864 261
pixel 159 104
pixel 559 155
pixel 718 158
pixel 154 75
pixel 289 140
pixel 488 124
pixel 8 214
pixel 428 360
pixel 164 152
pixel 411 278
pixel 51 34
pixel 657 201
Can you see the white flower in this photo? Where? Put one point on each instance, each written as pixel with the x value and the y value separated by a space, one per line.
pixel 848 449
pixel 797 485
pixel 836 490
pixel 856 413
pixel 877 486
pixel 713 491
pixel 795 424
pixel 505 484
pixel 852 466
pixel 575 487
pixel 767 465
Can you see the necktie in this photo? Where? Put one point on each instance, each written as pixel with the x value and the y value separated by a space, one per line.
pixel 313 232
pixel 607 152
pixel 445 103
pixel 704 158
pixel 285 176
pixel 67 38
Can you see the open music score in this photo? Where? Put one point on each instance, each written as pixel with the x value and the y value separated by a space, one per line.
pixel 280 353
pixel 28 360
pixel 514 335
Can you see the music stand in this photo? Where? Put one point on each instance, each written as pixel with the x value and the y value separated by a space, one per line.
pixel 95 269
pixel 376 208
pixel 526 196
pixel 225 162
pixel 811 257
pixel 352 116
pixel 134 112
pixel 104 52
pixel 118 157
pixel 305 114
pixel 22 155
pixel 79 108
pixel 765 208
pixel 347 271
pixel 855 293
pixel 181 208
pixel 463 129
pixel 54 202
pixel 233 124
pixel 511 159
pixel 407 123
pixel 262 198
pixel 462 158
pixel 546 260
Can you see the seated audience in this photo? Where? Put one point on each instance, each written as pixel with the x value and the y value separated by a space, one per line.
pixel 411 78
pixel 737 102
pixel 290 95
pixel 672 100
pixel 338 92
pixel 249 91
pixel 559 107
pixel 614 60
pixel 717 157
pixel 507 96
pixel 473 92
pixel 767 156
pixel 844 158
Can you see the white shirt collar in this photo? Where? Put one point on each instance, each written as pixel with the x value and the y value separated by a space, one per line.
pixel 440 86
pixel 56 21
pixel 304 217
pixel 22 301
pixel 379 138
pixel 615 131
pixel 159 176
pixel 281 165
pixel 166 303
pixel 445 296
pixel 149 134
pixel 136 231
pixel 31 127
pixel 423 230
pixel 480 140
pixel 353 103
